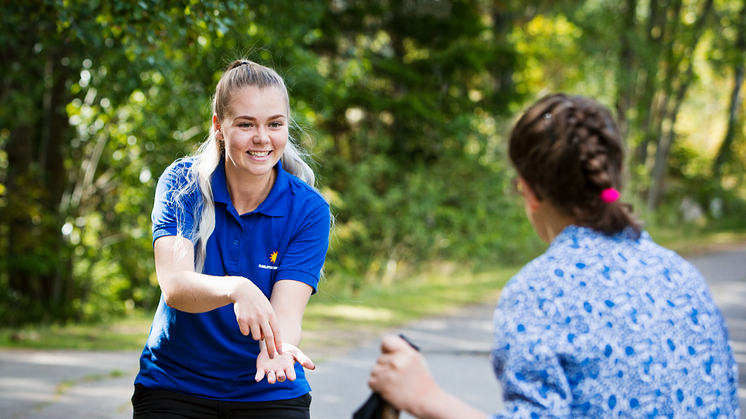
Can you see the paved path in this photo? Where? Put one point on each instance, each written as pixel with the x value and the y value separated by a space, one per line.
pixel 726 277
pixel 75 384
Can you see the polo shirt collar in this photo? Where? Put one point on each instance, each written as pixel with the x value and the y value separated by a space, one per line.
pixel 274 204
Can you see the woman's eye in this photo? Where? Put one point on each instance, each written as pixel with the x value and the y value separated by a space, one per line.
pixel 275 124
pixel 245 125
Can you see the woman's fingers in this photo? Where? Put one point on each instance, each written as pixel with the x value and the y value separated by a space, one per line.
pixel 302 359
pixel 269 340
pixel 259 376
pixel 391 343
pixel 276 336
pixel 256 316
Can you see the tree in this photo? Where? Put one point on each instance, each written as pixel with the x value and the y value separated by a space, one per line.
pixel 739 70
pixel 94 95
pixel 410 85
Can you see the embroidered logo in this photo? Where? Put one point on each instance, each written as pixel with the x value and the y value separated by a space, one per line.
pixel 273 259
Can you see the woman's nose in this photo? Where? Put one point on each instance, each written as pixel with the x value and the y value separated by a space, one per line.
pixel 261 136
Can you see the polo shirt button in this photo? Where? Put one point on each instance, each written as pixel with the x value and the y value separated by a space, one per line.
pixel 235 242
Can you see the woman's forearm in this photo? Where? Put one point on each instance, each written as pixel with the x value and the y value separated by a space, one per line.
pixel 289 299
pixel 198 293
pixel 291 330
pixel 192 292
pixel 443 405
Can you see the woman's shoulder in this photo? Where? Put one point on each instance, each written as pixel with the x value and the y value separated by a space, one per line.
pixel 180 167
pixel 305 194
pixel 534 276
pixel 178 180
pixel 620 256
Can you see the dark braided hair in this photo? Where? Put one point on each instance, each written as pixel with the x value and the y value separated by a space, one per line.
pixel 568 150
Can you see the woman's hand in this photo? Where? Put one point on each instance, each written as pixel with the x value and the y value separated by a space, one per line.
pixel 401 376
pixel 255 315
pixel 281 367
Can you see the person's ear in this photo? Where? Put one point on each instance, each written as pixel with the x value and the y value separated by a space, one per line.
pixel 533 203
pixel 216 127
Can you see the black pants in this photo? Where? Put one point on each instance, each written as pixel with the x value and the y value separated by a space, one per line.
pixel 163 404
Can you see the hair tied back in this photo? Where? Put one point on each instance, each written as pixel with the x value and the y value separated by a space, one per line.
pixel 549 128
pixel 609 195
pixel 239 64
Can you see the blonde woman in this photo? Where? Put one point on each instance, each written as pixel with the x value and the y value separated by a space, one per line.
pixel 240 237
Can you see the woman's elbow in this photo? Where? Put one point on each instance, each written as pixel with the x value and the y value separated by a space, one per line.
pixel 167 292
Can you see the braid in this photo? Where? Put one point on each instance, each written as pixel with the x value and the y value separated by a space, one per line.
pixel 568 149
pixel 599 153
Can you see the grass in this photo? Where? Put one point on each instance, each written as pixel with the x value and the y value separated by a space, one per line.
pixel 337 318
pixel 333 317
pixel 123 334
pixel 690 241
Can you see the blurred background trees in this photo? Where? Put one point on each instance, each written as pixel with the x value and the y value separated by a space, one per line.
pixel 404 104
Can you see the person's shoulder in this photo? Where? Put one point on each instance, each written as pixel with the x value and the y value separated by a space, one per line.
pixel 178 173
pixel 573 249
pixel 178 181
pixel 532 275
pixel 304 194
pixel 667 257
pixel 180 167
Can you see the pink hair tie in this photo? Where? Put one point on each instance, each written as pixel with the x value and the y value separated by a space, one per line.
pixel 609 195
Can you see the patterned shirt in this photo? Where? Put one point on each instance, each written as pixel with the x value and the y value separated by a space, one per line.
pixel 612 326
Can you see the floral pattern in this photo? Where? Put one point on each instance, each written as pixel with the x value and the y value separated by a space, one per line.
pixel 612 326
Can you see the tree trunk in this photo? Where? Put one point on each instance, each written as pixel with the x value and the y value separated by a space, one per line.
pixel 664 145
pixel 36 179
pixel 625 73
pixel 645 104
pixel 503 20
pixel 735 99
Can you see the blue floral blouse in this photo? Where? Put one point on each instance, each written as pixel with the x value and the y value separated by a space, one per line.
pixel 602 327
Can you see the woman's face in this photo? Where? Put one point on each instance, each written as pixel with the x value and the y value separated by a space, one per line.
pixel 255 132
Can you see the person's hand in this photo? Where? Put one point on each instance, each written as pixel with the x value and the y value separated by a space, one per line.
pixel 281 367
pixel 255 315
pixel 401 376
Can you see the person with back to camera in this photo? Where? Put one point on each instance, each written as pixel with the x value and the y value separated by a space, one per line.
pixel 240 237
pixel 605 323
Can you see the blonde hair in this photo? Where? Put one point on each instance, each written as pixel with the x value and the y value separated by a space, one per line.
pixel 239 75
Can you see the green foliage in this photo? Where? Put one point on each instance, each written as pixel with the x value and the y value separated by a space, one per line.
pixel 404 106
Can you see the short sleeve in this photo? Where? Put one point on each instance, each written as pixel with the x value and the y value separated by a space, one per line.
pixel 306 251
pixel 529 370
pixel 176 202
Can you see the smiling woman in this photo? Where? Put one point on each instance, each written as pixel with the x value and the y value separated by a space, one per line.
pixel 232 302
pixel 253 138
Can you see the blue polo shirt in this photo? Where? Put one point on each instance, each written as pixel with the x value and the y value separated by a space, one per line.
pixel 285 238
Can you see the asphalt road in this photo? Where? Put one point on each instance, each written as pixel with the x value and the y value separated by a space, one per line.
pixel 79 384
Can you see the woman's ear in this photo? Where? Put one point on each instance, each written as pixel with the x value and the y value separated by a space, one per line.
pixel 216 127
pixel 533 203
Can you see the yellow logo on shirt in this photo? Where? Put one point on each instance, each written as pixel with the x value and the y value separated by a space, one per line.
pixel 273 257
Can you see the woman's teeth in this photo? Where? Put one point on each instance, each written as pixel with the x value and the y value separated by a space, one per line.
pixel 259 153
